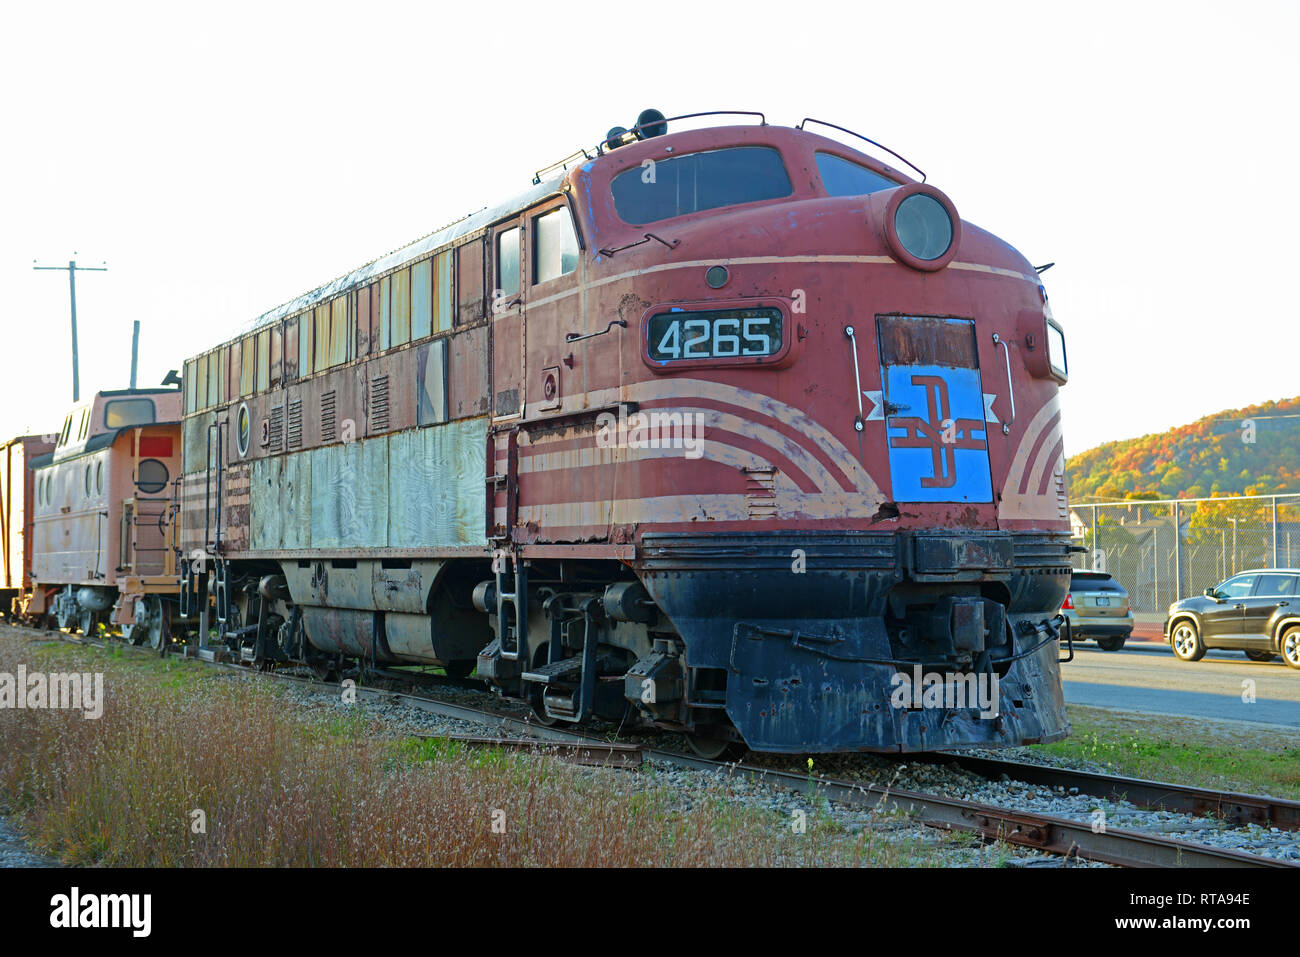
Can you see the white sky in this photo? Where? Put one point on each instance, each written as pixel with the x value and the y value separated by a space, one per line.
pixel 224 158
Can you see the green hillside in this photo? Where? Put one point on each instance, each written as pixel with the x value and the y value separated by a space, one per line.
pixel 1250 451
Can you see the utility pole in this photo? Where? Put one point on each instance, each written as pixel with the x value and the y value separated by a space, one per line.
pixel 135 350
pixel 72 268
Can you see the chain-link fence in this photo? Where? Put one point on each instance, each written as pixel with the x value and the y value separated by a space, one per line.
pixel 1166 550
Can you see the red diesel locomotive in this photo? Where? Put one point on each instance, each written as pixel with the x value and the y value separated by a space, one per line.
pixel 723 430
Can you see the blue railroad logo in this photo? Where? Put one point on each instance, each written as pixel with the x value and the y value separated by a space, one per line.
pixel 937 438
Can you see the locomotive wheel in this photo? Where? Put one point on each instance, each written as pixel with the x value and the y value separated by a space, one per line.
pixel 1255 655
pixel 66 621
pixel 153 629
pixel 1186 642
pixel 539 708
pixel 134 634
pixel 713 746
pixel 459 669
pixel 89 628
pixel 325 670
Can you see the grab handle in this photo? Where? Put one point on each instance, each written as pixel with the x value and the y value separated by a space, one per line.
pixel 1011 389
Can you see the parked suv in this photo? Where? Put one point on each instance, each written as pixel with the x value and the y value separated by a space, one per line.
pixel 1257 612
pixel 1098 607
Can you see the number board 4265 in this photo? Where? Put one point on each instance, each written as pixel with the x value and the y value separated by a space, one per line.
pixel 714 334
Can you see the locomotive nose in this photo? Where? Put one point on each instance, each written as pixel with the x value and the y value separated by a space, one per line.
pixel 920 224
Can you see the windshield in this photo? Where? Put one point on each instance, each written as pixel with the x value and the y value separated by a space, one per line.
pixel 662 189
pixel 844 178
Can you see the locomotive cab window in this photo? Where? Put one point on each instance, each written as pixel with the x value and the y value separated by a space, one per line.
pixel 699 181
pixel 123 413
pixel 555 245
pixel 508 262
pixel 843 177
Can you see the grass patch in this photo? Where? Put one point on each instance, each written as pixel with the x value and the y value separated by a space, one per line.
pixel 1183 750
pixel 274 784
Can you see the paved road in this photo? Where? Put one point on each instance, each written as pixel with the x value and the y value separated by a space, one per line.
pixel 1147 677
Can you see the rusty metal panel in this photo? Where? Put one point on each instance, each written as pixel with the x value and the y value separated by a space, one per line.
pixel 263 360
pixel 291 350
pixel 235 507
pixel 410 636
pixel 321 337
pixel 213 375
pixel 189 378
pixel 402 589
pixel 349 494
pixel 385 297
pixel 235 389
pixel 507 365
pixel 421 299
pixel 436 497
pixel 295 501
pixel 223 374
pixel 266 517
pixel 443 292
pixel 304 336
pixel 468 373
pixel 201 382
pixel 336 630
pixel 363 320
pixel 469 282
pixel 190 533
pixel 923 340
pixel 333 501
pixel 277 355
pixel 401 399
pixel 195 440
pixel 401 289
pixel 373 291
pixel 340 331
pixel 247 365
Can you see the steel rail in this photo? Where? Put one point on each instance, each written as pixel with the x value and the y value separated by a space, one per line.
pixel 592 753
pixel 1231 806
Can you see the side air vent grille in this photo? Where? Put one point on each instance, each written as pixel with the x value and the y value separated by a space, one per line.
pixel 327 430
pixel 295 423
pixel 379 404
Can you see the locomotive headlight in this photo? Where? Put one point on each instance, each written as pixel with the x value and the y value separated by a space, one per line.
pixel 922 227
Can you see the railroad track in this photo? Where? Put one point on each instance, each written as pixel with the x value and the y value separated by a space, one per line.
pixel 1230 806
pixel 1047 833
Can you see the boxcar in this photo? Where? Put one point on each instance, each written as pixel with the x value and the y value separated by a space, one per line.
pixel 17 500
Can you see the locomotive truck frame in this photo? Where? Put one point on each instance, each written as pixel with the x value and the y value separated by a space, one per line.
pixel 414 464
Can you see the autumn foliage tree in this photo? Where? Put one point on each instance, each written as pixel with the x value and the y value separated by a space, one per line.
pixel 1250 451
